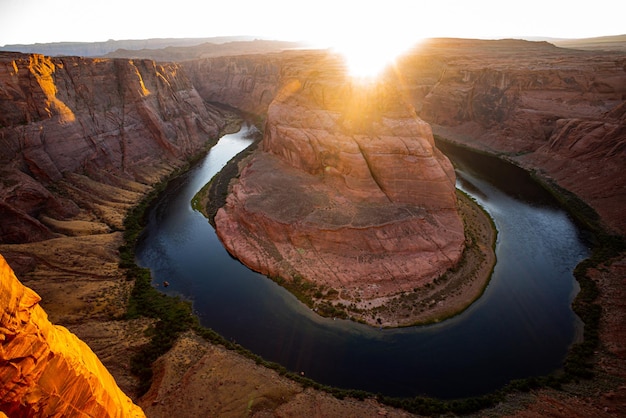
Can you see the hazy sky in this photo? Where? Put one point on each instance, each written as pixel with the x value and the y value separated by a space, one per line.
pixel 324 21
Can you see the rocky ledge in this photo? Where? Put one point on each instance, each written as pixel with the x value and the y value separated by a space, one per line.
pixel 71 379
pixel 347 194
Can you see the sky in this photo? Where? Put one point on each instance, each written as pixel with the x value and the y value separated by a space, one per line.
pixel 323 22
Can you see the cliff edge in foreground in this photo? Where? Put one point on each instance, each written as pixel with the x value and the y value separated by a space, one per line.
pixel 44 369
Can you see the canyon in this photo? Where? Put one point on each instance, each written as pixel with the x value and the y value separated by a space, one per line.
pixel 83 140
pixel 549 109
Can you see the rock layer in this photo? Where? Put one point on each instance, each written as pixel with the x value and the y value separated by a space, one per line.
pixel 348 191
pixel 116 121
pixel 44 369
pixel 81 142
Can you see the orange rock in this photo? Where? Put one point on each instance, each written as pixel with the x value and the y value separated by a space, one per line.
pixel 44 369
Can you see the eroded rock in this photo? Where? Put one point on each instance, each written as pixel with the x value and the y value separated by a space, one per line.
pixel 117 121
pixel 348 192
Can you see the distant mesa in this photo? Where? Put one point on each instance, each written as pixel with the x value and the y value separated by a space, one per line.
pixel 158 49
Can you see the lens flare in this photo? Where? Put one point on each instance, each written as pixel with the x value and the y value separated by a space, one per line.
pixel 367 57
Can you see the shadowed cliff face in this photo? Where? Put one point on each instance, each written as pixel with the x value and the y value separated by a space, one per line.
pixel 44 369
pixel 247 82
pixel 554 110
pixel 348 191
pixel 113 120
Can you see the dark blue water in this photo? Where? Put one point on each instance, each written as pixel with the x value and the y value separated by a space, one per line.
pixel 522 326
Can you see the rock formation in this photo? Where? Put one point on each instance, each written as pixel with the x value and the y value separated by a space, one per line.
pixel 81 142
pixel 347 192
pixel 513 97
pixel 44 369
pixel 112 120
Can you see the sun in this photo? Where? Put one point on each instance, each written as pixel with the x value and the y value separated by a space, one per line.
pixel 370 46
pixel 367 58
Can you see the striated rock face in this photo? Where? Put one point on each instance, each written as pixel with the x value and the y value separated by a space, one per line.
pixel 348 191
pixel 587 156
pixel 251 82
pixel 248 83
pixel 113 120
pixel 81 142
pixel 555 110
pixel 44 369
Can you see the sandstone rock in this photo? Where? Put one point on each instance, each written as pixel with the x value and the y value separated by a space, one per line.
pixel 504 96
pixel 554 110
pixel 248 83
pixel 348 192
pixel 118 121
pixel 44 369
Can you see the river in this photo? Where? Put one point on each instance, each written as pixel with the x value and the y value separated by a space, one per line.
pixel 522 326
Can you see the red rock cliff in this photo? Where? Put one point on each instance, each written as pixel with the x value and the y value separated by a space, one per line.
pixel 555 110
pixel 44 369
pixel 112 120
pixel 347 191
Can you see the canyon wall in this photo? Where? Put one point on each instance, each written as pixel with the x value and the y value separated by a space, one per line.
pixel 250 82
pixel 348 191
pixel 560 112
pixel 44 369
pixel 555 110
pixel 81 142
pixel 113 121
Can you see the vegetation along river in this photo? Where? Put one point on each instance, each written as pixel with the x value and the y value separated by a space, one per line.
pixel 520 327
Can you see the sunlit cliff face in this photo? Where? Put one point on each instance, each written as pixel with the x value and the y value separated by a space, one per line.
pixel 353 105
pixel 44 369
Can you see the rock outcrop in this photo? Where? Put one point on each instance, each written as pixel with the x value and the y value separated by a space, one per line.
pixel 347 192
pixel 44 369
